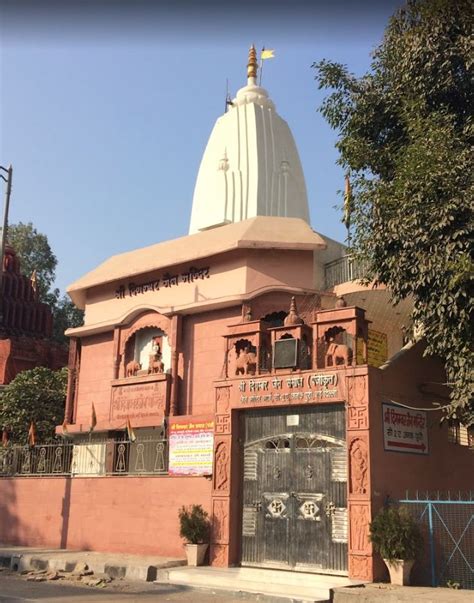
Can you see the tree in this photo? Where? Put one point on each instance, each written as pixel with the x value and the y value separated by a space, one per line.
pixel 66 316
pixel 35 254
pixel 405 134
pixel 36 395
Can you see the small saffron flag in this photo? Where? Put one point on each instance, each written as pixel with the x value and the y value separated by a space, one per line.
pixel 131 434
pixel 93 419
pixel 32 435
pixel 65 431
pixel 347 202
pixel 267 53
pixel 5 437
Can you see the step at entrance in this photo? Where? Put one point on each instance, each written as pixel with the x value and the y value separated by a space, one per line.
pixel 304 587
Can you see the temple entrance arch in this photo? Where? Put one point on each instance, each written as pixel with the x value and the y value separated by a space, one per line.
pixel 295 489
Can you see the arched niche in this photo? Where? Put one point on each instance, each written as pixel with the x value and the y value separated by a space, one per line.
pixel 145 345
pixel 245 360
pixel 275 319
pixel 338 347
pixel 150 349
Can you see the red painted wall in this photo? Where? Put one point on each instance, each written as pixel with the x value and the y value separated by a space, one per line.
pixel 117 514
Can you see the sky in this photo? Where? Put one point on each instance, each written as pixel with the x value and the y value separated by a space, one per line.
pixel 106 108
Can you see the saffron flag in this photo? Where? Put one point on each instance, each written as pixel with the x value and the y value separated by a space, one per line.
pixel 93 419
pixel 32 435
pixel 65 431
pixel 131 434
pixel 347 202
pixel 267 54
pixel 5 438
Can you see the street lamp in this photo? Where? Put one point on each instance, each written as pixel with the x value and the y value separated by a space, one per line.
pixel 8 180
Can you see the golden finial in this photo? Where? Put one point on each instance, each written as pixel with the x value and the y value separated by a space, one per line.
pixel 252 65
pixel 293 318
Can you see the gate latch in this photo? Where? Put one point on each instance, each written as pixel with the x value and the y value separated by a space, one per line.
pixel 330 509
pixel 257 505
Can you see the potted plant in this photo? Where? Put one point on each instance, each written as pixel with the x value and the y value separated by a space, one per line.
pixel 397 537
pixel 194 527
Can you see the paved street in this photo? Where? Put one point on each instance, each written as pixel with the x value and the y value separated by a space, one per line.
pixel 15 589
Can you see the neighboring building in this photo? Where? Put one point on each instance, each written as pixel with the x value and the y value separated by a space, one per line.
pixel 231 354
pixel 25 325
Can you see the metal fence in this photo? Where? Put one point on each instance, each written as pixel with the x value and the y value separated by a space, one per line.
pixel 343 270
pixel 447 524
pixel 143 456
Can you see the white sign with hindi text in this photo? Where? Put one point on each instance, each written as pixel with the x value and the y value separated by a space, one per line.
pixel 404 430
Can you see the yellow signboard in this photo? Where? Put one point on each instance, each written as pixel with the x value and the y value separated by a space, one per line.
pixel 377 348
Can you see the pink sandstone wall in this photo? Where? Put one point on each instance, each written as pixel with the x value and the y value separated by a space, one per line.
pixel 277 268
pixel 118 514
pixel 447 466
pixel 204 354
pixel 96 372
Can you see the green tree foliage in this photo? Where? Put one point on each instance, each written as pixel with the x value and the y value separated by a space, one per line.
pixel 36 395
pixel 34 252
pixel 66 316
pixel 405 134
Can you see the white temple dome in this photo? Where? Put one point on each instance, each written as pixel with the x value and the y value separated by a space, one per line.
pixel 251 166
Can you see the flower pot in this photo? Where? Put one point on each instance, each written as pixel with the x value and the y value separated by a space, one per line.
pixel 195 553
pixel 399 570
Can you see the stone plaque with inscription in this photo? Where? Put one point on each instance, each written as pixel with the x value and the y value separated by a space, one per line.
pixel 140 399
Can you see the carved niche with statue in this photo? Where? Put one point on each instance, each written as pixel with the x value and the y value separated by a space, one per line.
pixel 339 333
pixel 247 346
pixel 142 347
pixel 146 353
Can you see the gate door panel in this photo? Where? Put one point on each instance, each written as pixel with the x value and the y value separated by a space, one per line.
pixel 294 489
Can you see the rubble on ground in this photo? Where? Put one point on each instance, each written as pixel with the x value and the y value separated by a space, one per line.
pixel 80 574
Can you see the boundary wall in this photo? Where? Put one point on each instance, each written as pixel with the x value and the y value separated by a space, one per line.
pixel 137 515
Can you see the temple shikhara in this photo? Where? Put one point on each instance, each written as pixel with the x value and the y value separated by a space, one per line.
pixel 25 324
pixel 242 367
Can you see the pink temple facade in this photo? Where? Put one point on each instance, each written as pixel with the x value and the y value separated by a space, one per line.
pixel 286 376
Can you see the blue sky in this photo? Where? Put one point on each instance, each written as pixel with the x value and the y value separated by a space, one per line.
pixel 106 108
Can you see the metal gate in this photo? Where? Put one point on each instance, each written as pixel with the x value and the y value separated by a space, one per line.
pixel 294 489
pixel 447 522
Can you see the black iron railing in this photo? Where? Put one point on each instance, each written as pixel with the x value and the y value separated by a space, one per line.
pixel 344 270
pixel 143 456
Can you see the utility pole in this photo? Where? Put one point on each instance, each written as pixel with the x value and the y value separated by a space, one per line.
pixel 8 180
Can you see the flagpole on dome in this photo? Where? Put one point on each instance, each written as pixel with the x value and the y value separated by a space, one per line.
pixel 267 53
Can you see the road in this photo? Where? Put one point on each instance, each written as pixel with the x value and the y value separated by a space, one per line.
pixel 15 589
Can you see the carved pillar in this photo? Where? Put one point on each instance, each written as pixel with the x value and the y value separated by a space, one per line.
pixel 116 365
pixel 71 380
pixel 359 487
pixel 220 554
pixel 176 325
